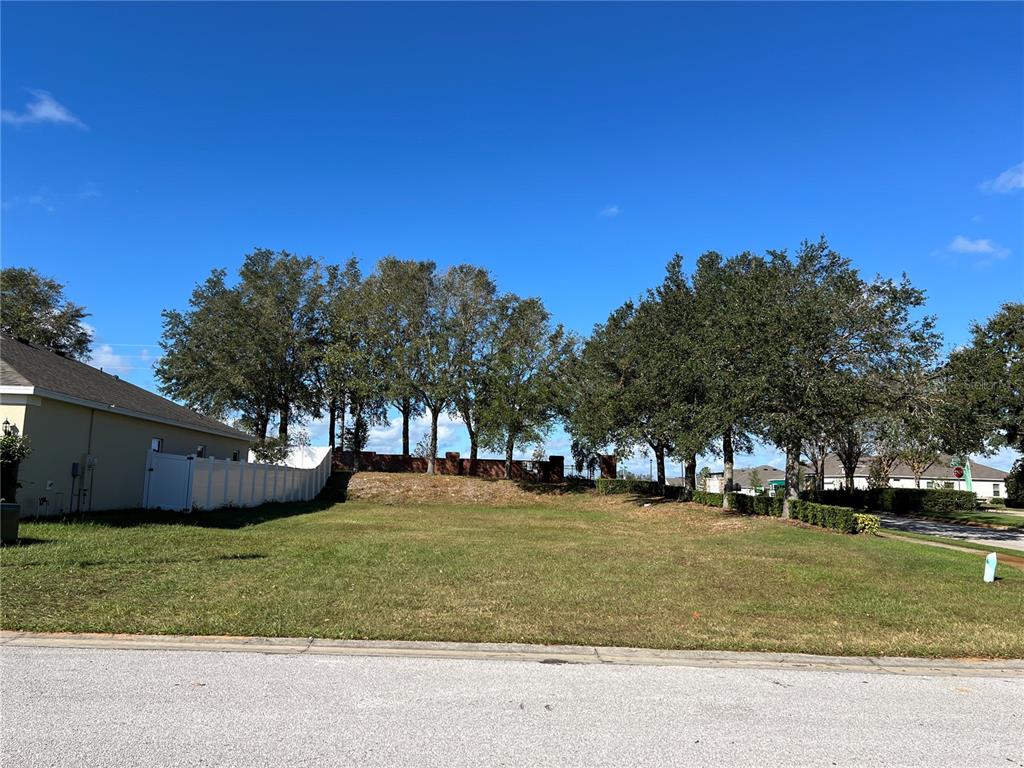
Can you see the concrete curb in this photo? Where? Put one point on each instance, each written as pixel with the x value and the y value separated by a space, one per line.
pixel 543 654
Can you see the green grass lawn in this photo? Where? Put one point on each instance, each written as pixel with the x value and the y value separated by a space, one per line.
pixel 579 570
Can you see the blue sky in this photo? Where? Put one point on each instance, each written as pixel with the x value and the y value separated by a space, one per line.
pixel 571 149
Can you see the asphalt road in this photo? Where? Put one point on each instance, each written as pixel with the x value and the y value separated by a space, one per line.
pixel 99 707
pixel 974 533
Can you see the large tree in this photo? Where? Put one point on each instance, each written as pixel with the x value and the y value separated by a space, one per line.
pixel 730 295
pixel 474 343
pixel 358 353
pixel 830 324
pixel 524 387
pixel 34 308
pixel 983 406
pixel 252 348
pixel 432 359
pixel 636 383
pixel 404 287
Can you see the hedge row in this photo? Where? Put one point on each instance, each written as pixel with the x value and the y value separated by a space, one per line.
pixel 756 505
pixel 908 501
pixel 642 487
pixel 826 515
pixel 607 485
pixel 707 499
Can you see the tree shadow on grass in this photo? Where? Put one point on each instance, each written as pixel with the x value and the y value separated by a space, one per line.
pixel 25 541
pixel 230 518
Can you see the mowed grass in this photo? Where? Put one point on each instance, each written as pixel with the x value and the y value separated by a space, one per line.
pixel 574 569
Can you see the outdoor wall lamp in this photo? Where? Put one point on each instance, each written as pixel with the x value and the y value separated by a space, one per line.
pixel 7 427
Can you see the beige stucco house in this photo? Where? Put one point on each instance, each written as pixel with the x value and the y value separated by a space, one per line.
pixel 91 432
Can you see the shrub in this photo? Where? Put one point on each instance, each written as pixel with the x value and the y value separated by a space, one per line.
pixel 678 493
pixel 899 501
pixel 608 485
pixel 827 516
pixel 707 499
pixel 997 502
pixel 870 524
pixel 757 505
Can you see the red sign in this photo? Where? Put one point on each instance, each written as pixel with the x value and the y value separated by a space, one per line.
pixel 958 472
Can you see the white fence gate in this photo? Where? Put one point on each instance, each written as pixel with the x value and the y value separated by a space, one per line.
pixel 187 483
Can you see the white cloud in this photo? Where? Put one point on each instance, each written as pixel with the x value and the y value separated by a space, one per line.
pixel 1006 182
pixel 988 250
pixel 961 244
pixel 42 109
pixel 103 356
pixel 611 211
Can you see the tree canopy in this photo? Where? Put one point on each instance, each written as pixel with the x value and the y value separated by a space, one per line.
pixel 33 308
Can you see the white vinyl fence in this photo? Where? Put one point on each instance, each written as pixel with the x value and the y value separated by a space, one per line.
pixel 187 483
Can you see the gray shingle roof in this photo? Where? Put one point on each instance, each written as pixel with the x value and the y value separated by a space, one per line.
pixel 26 365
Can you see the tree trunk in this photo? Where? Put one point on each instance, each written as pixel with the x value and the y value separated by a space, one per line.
pixel 472 450
pixel 282 425
pixel 406 410
pixel 792 477
pixel 691 472
pixel 509 447
pixel 659 455
pixel 727 457
pixel 433 440
pixel 341 427
pixel 357 415
pixel 332 423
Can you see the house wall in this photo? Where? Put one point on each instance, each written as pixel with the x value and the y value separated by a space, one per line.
pixel 983 489
pixel 63 433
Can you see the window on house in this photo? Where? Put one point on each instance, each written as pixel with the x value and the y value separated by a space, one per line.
pixel 948 484
pixel 200 451
pixel 156 444
pixel 995 490
pixel 234 455
pixel 930 484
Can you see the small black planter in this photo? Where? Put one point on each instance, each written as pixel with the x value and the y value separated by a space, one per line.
pixel 9 481
pixel 9 514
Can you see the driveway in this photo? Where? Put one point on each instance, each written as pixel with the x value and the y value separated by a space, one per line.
pixel 97 707
pixel 976 534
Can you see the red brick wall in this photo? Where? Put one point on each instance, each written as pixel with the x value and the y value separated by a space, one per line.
pixel 550 471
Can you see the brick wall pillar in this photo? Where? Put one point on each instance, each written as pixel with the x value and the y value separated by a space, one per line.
pixel 556 469
pixel 452 464
pixel 608 466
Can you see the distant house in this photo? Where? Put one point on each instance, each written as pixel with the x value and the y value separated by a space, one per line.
pixel 743 479
pixel 90 432
pixel 988 482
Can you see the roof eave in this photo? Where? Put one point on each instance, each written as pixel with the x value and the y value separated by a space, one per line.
pixel 108 408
